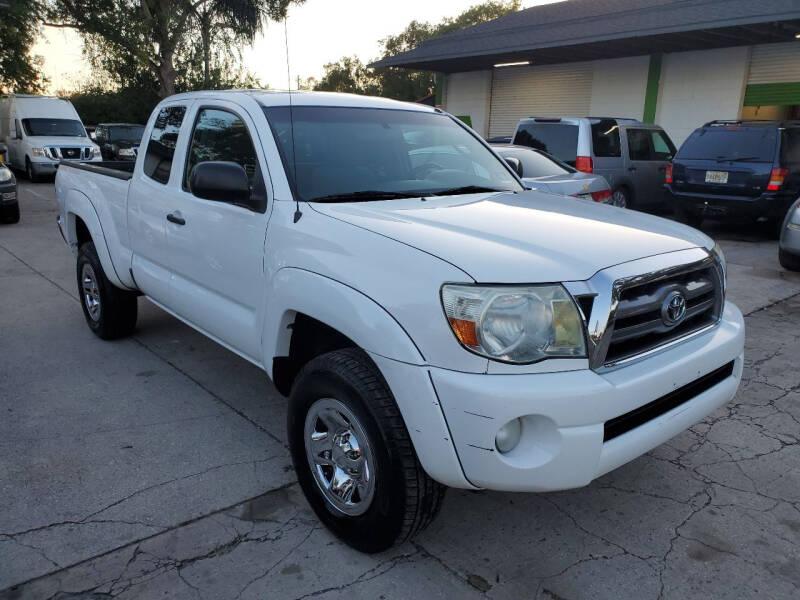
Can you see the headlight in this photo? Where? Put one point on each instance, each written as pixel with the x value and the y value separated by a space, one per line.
pixel 125 152
pixel 515 324
pixel 40 152
pixel 719 257
pixel 5 174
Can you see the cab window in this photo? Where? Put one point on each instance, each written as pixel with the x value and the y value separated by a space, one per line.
pixel 161 146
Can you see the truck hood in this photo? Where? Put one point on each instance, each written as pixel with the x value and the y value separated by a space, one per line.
pixel 523 237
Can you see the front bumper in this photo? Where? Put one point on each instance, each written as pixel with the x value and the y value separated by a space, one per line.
pixel 564 413
pixel 770 205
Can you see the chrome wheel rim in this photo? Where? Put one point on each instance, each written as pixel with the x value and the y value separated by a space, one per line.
pixel 340 456
pixel 91 291
pixel 618 198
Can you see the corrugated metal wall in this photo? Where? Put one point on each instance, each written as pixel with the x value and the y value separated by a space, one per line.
pixel 552 90
pixel 775 63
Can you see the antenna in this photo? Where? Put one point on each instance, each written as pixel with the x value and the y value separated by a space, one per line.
pixel 297 212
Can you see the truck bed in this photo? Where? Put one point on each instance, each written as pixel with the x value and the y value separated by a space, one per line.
pixel 121 169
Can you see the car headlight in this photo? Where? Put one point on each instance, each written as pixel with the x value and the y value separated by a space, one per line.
pixel 125 152
pixel 5 174
pixel 719 257
pixel 40 152
pixel 515 324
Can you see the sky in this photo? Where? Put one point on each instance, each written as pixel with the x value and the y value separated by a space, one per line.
pixel 319 31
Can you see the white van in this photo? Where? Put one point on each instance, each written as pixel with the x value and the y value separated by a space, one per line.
pixel 41 130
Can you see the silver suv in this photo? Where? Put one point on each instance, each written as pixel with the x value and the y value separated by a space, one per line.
pixel 631 155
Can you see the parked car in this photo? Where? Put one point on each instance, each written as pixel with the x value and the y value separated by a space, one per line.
pixel 632 156
pixel 789 245
pixel 9 203
pixel 432 322
pixel 41 130
pixel 119 141
pixel 737 169
pixel 546 173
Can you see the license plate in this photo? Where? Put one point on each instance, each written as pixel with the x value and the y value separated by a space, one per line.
pixel 716 177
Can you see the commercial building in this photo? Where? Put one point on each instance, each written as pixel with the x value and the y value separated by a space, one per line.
pixel 678 63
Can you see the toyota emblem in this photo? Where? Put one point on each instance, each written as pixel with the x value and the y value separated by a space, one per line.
pixel 673 309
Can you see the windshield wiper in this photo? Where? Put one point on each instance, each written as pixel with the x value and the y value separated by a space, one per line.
pixel 364 196
pixel 739 159
pixel 465 189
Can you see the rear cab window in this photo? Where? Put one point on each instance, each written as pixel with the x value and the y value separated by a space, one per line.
pixel 731 142
pixel 161 146
pixel 558 139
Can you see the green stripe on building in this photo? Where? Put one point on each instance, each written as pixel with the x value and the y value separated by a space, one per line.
pixel 772 94
pixel 651 91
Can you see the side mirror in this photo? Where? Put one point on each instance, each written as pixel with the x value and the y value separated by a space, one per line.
pixel 221 181
pixel 515 164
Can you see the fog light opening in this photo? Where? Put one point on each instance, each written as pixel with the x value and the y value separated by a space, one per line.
pixel 508 436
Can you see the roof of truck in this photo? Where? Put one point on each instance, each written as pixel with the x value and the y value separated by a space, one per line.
pixel 307 98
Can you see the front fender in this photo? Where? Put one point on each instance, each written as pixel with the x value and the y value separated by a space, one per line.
pixel 339 306
pixel 78 205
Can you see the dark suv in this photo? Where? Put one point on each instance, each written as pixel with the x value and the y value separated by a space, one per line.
pixel 748 169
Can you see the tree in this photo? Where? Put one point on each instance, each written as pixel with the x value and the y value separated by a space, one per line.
pixel 132 37
pixel 349 74
pixel 19 26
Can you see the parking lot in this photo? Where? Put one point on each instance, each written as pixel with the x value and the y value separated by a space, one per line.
pixel 156 466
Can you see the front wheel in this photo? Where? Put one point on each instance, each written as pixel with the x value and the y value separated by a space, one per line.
pixel 110 312
pixel 29 172
pixel 353 456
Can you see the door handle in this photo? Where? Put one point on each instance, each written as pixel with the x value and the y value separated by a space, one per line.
pixel 631 168
pixel 176 218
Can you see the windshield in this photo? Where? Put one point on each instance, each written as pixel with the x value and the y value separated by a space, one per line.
pixel 362 152
pixel 558 139
pixel 534 164
pixel 125 132
pixel 54 127
pixel 731 143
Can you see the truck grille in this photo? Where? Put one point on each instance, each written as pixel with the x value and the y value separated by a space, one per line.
pixel 70 152
pixel 655 313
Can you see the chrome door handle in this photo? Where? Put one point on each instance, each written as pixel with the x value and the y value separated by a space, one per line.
pixel 173 218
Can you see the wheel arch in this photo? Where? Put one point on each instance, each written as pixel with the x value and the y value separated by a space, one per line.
pixel 310 314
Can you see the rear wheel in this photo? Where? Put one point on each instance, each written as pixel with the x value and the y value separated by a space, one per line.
pixel 690 219
pixel 110 312
pixel 353 456
pixel 788 260
pixel 621 197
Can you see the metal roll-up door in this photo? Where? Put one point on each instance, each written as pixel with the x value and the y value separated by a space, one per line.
pixel 552 90
pixel 774 77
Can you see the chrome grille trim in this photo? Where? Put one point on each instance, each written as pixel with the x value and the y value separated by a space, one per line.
pixel 607 286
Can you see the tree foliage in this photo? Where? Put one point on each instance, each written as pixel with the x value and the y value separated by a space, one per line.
pixel 19 26
pixel 173 43
pixel 349 74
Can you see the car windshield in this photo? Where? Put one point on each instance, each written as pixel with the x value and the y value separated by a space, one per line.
pixel 125 132
pixel 347 154
pixel 535 164
pixel 53 127
pixel 731 143
pixel 558 139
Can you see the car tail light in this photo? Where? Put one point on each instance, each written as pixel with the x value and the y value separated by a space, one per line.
pixel 668 173
pixel 584 163
pixel 776 178
pixel 601 196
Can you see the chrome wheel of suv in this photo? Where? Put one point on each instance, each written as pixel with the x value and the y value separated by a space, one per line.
pixel 619 198
pixel 340 456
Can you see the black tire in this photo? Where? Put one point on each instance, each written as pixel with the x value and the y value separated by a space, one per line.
pixel 684 216
pixel 788 260
pixel 11 214
pixel 405 499
pixel 115 314
pixel 29 172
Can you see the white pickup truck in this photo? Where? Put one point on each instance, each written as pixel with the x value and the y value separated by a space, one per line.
pixel 433 323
